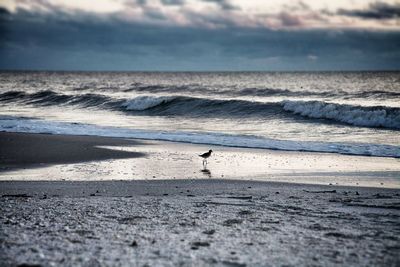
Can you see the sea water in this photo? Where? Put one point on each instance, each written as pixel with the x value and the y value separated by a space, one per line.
pixel 356 113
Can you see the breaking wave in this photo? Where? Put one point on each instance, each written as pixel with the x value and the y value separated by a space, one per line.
pixel 377 116
pixel 374 116
pixel 146 102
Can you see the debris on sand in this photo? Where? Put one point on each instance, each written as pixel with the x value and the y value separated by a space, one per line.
pixel 321 192
pixel 209 232
pixel 197 244
pixel 231 222
pixel 241 197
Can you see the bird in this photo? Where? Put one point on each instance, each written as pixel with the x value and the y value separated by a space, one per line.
pixel 205 156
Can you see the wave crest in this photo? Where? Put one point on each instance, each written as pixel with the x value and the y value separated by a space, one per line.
pixel 48 97
pixel 377 116
pixel 146 102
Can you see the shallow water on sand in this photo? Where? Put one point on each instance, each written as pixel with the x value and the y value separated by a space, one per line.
pixel 168 160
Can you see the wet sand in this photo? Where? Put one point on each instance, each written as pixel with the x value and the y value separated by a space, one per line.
pixel 85 158
pixel 187 222
pixel 21 150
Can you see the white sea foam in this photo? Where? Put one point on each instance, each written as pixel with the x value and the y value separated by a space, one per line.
pixel 145 102
pixel 41 126
pixel 355 115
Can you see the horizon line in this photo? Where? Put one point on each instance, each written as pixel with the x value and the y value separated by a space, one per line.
pixel 199 71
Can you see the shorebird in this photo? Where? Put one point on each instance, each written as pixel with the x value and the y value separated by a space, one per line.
pixel 205 156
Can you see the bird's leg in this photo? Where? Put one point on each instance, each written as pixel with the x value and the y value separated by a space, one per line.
pixel 204 162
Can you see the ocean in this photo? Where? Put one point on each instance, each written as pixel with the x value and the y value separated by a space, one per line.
pixel 355 113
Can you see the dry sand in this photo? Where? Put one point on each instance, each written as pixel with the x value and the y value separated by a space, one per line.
pixel 198 223
pixel 190 222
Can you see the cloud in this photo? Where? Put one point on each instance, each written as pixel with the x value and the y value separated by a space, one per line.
pixel 194 35
pixel 4 11
pixel 223 4
pixel 290 20
pixel 377 10
pixel 312 57
pixel 173 2
pixel 72 41
pixel 285 14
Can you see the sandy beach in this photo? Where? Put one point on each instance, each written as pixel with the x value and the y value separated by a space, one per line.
pixel 193 133
pixel 217 222
pixel 187 222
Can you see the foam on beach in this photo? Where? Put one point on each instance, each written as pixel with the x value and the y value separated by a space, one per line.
pixel 26 125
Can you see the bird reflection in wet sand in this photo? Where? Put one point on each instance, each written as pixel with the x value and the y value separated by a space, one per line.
pixel 206 171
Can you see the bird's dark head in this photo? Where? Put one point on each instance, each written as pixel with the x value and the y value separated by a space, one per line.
pixel 210 151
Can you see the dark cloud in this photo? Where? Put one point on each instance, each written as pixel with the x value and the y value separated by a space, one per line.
pixel 223 4
pixel 141 2
pixel 81 42
pixel 155 14
pixel 297 6
pixel 173 2
pixel 377 10
pixel 4 11
pixel 290 20
pixel 303 5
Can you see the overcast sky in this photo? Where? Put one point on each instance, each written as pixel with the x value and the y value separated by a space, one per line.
pixel 200 35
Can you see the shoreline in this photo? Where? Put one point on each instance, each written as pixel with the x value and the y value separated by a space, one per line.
pixel 30 157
